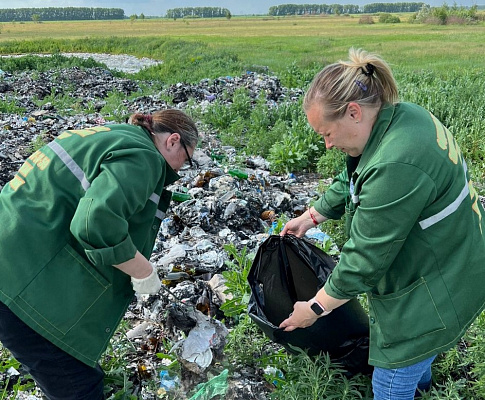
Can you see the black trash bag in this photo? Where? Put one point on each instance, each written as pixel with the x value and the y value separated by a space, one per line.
pixel 287 269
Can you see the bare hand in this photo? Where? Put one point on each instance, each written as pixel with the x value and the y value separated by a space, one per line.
pixel 301 317
pixel 297 226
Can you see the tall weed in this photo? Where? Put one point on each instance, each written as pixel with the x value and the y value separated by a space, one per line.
pixel 318 378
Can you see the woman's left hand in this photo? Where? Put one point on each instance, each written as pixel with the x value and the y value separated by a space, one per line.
pixel 301 317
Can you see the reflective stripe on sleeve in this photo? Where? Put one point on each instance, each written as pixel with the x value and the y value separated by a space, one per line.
pixel 155 198
pixel 70 163
pixel 450 209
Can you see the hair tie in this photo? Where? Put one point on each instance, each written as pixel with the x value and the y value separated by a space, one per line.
pixel 148 119
pixel 361 85
pixel 370 69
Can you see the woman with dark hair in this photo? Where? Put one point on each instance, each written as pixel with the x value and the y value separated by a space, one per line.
pixel 79 222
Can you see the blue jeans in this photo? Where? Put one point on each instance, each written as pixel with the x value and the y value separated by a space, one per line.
pixel 59 375
pixel 401 383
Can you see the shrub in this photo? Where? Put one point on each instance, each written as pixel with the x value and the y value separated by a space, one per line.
pixel 440 14
pixel 330 163
pixel 446 15
pixel 456 20
pixel 236 280
pixel 387 18
pixel 298 149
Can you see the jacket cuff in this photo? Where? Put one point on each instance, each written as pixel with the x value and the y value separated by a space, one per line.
pixel 118 254
pixel 324 208
pixel 332 291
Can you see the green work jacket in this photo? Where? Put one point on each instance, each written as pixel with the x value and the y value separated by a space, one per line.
pixel 416 238
pixel 81 204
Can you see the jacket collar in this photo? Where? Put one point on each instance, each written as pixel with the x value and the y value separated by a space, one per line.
pixel 384 119
pixel 172 176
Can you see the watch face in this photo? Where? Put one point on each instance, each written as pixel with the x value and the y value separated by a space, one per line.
pixel 317 309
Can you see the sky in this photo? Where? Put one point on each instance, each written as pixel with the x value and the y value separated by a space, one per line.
pixel 236 7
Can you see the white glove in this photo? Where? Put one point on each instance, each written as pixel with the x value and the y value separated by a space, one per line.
pixel 149 285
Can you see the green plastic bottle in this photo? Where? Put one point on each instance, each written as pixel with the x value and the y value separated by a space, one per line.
pixel 179 196
pixel 238 173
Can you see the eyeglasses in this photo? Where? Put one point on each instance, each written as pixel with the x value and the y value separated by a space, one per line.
pixel 189 159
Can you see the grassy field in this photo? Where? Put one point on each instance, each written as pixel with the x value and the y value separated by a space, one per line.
pixel 274 42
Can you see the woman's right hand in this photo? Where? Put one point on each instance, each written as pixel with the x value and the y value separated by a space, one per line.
pixel 298 226
pixel 148 285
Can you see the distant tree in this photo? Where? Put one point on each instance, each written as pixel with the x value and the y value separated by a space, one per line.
pixel 133 17
pixel 228 14
pixel 336 9
pixel 197 12
pixel 142 16
pixel 36 18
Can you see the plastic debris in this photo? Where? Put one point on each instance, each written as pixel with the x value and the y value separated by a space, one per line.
pixel 317 234
pixel 216 386
pixel 275 374
pixel 12 372
pixel 196 351
pixel 168 382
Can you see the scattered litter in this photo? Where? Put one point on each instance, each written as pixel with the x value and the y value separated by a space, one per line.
pixel 168 382
pixel 217 386
pixel 196 351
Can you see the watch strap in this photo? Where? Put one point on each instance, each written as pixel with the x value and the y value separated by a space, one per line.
pixel 318 308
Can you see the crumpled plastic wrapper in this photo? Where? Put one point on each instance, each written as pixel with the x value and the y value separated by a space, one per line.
pixel 205 340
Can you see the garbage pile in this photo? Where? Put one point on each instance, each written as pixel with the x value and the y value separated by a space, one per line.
pixel 210 90
pixel 222 206
pixel 214 204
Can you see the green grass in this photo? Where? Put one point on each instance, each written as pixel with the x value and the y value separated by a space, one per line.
pixel 273 42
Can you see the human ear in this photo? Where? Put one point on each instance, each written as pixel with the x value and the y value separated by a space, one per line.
pixel 354 111
pixel 173 139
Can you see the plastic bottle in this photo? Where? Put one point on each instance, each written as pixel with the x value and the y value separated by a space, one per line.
pixel 275 373
pixel 179 196
pixel 238 173
pixel 167 381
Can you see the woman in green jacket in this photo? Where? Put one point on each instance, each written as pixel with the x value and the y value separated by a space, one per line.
pixel 79 222
pixel 416 226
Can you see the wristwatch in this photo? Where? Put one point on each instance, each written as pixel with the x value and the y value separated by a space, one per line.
pixel 318 308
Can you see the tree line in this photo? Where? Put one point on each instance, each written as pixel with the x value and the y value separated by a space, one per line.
pixel 87 13
pixel 337 9
pixel 60 14
pixel 392 7
pixel 198 12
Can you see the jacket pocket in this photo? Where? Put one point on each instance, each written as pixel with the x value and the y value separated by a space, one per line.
pixel 63 291
pixel 406 314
